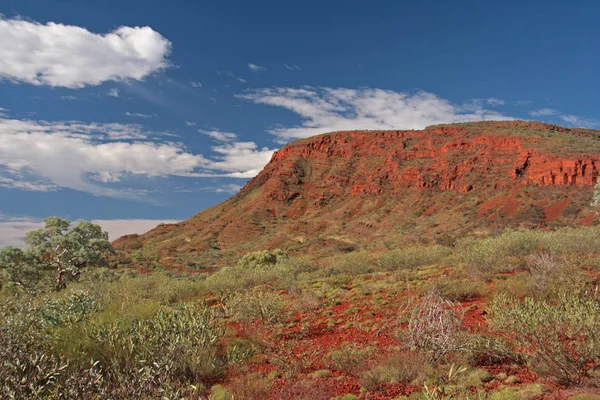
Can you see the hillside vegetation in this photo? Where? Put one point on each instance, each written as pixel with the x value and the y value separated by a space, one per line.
pixel 510 316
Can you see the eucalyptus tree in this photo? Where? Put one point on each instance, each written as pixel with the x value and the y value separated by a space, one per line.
pixel 57 248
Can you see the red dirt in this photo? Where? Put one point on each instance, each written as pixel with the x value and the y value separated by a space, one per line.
pixel 555 210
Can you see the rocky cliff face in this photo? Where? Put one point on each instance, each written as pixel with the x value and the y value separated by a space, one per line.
pixel 346 190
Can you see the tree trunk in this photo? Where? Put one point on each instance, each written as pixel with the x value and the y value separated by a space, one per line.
pixel 60 279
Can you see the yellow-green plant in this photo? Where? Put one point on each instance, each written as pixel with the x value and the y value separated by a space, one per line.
pixel 560 340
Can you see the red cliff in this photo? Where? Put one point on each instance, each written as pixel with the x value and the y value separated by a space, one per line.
pixel 348 190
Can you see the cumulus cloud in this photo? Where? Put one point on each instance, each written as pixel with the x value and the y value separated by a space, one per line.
pixel 292 67
pixel 45 156
pixel 492 101
pixel 543 112
pixel 13 229
pixel 113 92
pixel 240 159
pixel 219 136
pixel 73 57
pixel 333 109
pixel 256 68
pixel 196 85
pixel 190 123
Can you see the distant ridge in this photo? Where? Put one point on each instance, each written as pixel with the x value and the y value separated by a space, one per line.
pixel 373 189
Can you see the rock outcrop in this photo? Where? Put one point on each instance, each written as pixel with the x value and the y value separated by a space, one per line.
pixel 347 190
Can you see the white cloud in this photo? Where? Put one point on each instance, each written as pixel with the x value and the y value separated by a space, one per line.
pixel 543 112
pixel 13 229
pixel 113 92
pixel 256 68
pixel 45 156
pixel 292 67
pixel 230 188
pixel 332 109
pixel 196 85
pixel 71 56
pixel 580 122
pixel 231 75
pixel 492 101
pixel 218 135
pixel 189 123
pixel 240 159
pixel 139 115
pixel 68 97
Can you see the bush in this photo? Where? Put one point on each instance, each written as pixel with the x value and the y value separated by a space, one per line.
pixel 412 257
pixel 156 287
pixel 255 303
pixel 490 350
pixel 457 290
pixel 546 277
pixel 499 254
pixel 262 268
pixel 353 264
pixel 350 358
pixel 562 341
pixel 402 368
pixel 508 251
pixel 434 326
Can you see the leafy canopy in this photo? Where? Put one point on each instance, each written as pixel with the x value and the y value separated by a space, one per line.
pixel 56 247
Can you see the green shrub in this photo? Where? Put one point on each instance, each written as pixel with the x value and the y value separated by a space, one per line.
pixel 353 264
pixel 349 358
pixel 509 250
pixel 499 254
pixel 457 290
pixel 157 287
pixel 562 340
pixel 256 303
pixel 412 257
pixel 403 368
pixel 263 268
pixel 180 343
pixel 490 350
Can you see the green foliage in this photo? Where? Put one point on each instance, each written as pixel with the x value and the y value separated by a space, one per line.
pixel 21 268
pixel 352 264
pixel 546 277
pixel 349 358
pixel 403 368
pixel 262 268
pixel 412 257
pixel 457 290
pixel 255 303
pixel 157 287
pixel 491 350
pixel 55 247
pixel 561 340
pixel 508 251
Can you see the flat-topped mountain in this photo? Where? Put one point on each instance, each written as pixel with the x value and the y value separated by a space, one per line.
pixel 373 189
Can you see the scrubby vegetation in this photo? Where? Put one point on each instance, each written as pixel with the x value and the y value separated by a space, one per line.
pixel 506 317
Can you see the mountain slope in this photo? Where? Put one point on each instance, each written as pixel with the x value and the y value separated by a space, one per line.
pixel 347 190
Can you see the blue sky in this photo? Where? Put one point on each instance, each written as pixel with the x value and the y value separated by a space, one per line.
pixel 129 112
